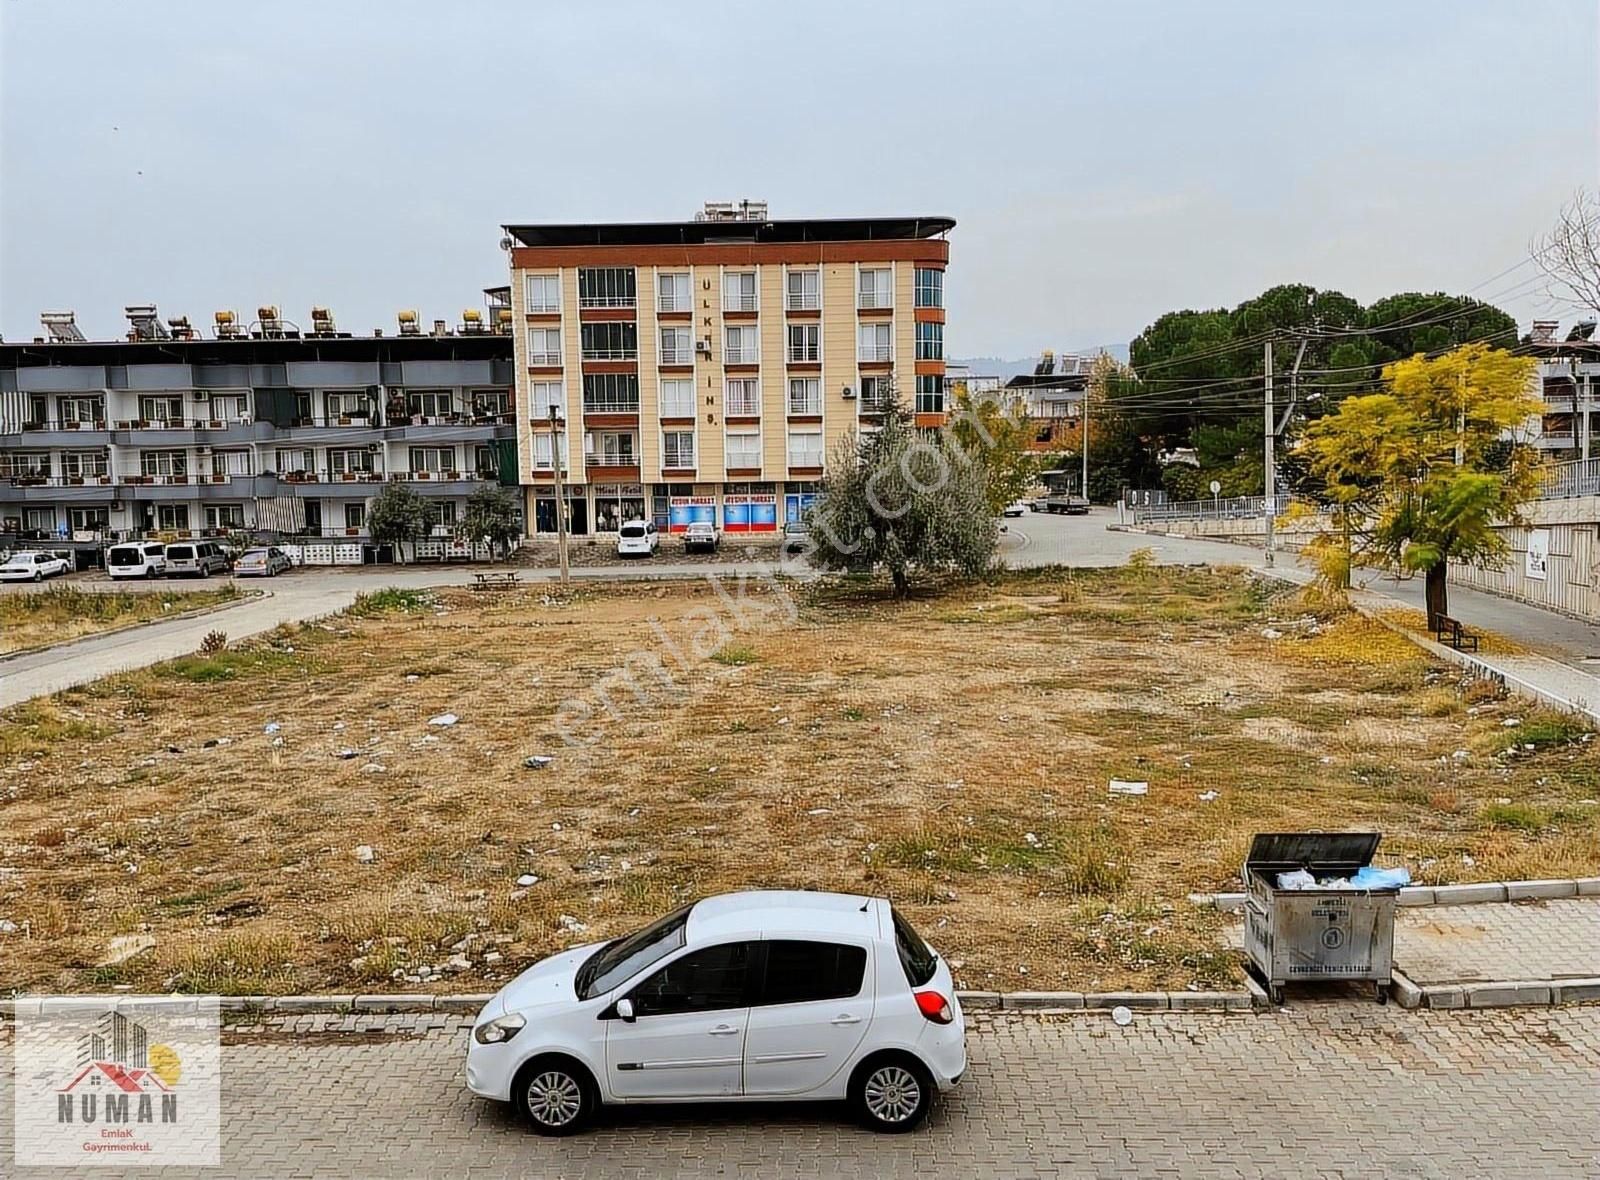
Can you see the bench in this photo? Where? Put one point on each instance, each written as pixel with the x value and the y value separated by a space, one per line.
pixel 1448 630
pixel 507 580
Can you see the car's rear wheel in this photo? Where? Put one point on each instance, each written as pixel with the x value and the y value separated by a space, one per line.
pixel 38 575
pixel 892 1093
pixel 555 1095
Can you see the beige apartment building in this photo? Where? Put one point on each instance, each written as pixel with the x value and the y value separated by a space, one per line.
pixel 705 369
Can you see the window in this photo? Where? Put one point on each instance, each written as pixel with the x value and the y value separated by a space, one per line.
pixel 919 962
pixel 805 344
pixel 677 347
pixel 744 449
pixel 231 463
pixel 441 513
pixel 293 462
pixel 491 403
pixel 428 403
pixel 89 520
pixel 161 409
pixel 224 516
pixel 930 342
pixel 611 448
pixel 165 463
pixel 801 972
pixel 672 293
pixel 83 464
pixel 354 461
pixel 39 520
pixel 739 291
pixel 486 461
pixel 677 398
pixel 613 341
pixel 172 517
pixel 350 404
pixel 742 346
pixel 231 407
pixel 544 446
pixel 619 961
pixel 805 395
pixel 436 459
pixel 545 396
pixel 606 286
pixel 743 397
pixel 930 394
pixel 544 294
pixel 929 284
pixel 25 464
pixel 875 342
pixel 805 448
pixel 677 448
pixel 875 288
pixel 707 980
pixel 544 346
pixel 876 394
pixel 355 515
pixel 803 290
pixel 83 409
pixel 611 393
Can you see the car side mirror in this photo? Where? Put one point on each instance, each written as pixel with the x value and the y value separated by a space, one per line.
pixel 625 1010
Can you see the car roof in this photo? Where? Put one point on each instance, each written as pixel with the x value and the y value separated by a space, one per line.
pixel 779 912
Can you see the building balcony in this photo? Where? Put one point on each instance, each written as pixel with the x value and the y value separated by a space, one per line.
pixel 37 489
pixel 612 467
pixel 54 433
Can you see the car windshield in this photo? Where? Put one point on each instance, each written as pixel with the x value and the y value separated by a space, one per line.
pixel 633 530
pixel 919 962
pixel 622 959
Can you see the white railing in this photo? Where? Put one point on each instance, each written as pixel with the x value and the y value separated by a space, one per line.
pixel 1580 477
pixel 735 355
pixel 1217 508
pixel 874 352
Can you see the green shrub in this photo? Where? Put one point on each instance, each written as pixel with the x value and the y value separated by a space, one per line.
pixel 392 600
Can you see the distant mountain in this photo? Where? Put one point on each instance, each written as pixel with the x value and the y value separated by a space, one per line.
pixel 995 366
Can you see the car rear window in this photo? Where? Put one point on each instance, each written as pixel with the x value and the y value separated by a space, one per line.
pixel 253 555
pixel 800 971
pixel 633 530
pixel 181 552
pixel 919 962
pixel 125 557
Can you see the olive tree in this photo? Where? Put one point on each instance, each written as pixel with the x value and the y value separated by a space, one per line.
pixel 397 515
pixel 903 499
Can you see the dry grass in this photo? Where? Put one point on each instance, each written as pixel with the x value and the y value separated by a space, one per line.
pixel 952 752
pixel 37 617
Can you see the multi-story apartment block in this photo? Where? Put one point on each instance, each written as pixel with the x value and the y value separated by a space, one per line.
pixel 1569 380
pixel 264 428
pixel 705 369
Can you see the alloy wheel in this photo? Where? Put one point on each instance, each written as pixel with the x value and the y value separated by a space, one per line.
pixel 892 1094
pixel 554 1098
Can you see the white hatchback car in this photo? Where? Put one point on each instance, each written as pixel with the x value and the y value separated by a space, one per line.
pixel 638 538
pixel 747 996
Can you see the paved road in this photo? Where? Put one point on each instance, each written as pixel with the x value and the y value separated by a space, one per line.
pixel 1324 1090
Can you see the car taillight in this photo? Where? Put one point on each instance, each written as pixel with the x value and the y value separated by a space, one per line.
pixel 935 1007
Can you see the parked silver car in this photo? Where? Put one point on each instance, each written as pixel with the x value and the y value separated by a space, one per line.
pixel 264 562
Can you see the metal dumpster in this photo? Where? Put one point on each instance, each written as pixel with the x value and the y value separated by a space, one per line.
pixel 1302 935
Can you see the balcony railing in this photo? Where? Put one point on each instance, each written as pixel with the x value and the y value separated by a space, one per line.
pixel 805 405
pixel 805 458
pixel 742 405
pixel 803 301
pixel 874 353
pixel 738 355
pixel 328 475
pixel 668 302
pixel 805 354
pixel 619 353
pixel 672 354
pixel 65 424
pixel 741 460
pixel 57 481
pixel 544 358
pixel 607 300
pixel 874 300
pixel 678 457
pixel 610 459
pixel 610 405
pixel 740 301
pixel 1558 481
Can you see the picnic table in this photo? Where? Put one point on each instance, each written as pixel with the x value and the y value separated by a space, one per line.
pixel 496 580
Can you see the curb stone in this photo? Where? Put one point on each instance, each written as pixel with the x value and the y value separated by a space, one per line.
pixel 1508 994
pixel 1406 993
pixel 1576 991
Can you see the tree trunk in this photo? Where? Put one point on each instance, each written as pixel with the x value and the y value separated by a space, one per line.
pixel 902 584
pixel 1435 592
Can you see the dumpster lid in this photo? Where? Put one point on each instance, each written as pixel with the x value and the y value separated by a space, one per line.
pixel 1330 850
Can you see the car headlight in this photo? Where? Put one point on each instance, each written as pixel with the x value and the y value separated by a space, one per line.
pixel 499 1031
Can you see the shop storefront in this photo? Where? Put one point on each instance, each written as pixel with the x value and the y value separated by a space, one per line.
pixel 750 508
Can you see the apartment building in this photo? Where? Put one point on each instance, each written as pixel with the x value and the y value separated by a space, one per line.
pixel 1569 381
pixel 263 427
pixel 705 369
pixel 1053 396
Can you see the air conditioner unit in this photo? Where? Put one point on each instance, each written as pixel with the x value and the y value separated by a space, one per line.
pixel 849 394
pixel 202 449
pixel 116 505
pixel 372 448
pixel 703 346
pixel 202 395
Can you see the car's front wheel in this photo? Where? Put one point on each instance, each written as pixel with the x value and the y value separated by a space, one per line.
pixel 892 1093
pixel 555 1095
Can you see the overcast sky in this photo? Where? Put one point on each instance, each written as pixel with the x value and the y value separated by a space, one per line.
pixel 1106 162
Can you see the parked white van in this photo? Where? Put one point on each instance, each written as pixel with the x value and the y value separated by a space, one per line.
pixel 137 559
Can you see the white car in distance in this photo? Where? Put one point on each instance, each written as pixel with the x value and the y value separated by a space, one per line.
pixel 744 997
pixel 638 538
pixel 31 565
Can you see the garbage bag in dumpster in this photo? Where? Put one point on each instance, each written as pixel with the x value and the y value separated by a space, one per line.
pixel 1303 933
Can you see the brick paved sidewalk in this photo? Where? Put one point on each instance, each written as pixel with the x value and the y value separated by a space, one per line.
pixel 1543 940
pixel 1317 1090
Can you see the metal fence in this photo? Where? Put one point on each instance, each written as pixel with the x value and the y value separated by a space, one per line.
pixel 1216 508
pixel 1580 477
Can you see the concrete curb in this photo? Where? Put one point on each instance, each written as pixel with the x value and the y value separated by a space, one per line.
pixel 1476 894
pixel 245 596
pixel 1502 993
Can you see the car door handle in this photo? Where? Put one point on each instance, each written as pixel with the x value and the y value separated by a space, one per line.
pixel 845 1018
pixel 722 1030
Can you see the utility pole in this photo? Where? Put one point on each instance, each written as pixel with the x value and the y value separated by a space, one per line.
pixel 556 459
pixel 1085 488
pixel 1271 432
